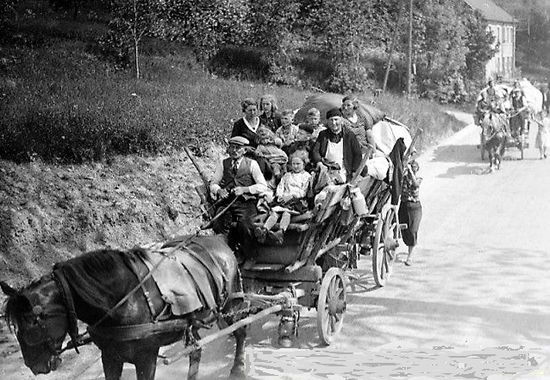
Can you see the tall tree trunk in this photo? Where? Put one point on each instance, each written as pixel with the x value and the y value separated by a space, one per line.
pixel 392 44
pixel 136 51
pixel 409 57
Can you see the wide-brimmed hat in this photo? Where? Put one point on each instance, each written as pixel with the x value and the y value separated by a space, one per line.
pixel 239 140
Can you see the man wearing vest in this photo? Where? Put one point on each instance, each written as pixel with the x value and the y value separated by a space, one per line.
pixel 241 177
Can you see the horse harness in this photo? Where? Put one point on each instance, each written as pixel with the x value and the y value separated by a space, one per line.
pixel 120 333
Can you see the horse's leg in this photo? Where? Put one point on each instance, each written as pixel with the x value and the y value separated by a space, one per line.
pixel 112 365
pixel 146 364
pixel 195 356
pixel 238 364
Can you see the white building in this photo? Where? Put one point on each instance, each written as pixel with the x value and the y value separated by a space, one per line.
pixel 503 27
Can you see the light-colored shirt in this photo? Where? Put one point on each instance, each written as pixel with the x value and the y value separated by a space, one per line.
pixel 288 134
pixel 294 184
pixel 260 186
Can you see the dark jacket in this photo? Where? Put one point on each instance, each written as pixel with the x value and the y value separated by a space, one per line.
pixel 240 129
pixel 273 122
pixel 352 149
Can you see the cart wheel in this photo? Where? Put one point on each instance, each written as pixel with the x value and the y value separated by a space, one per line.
pixel 386 240
pixel 331 305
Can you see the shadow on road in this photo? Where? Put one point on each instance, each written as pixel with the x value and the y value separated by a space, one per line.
pixel 457 153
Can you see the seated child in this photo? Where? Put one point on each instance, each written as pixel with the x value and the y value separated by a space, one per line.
pixel 269 147
pixel 288 131
pixel 313 125
pixel 290 197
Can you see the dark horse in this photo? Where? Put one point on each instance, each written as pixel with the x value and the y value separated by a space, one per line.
pixel 44 312
pixel 494 126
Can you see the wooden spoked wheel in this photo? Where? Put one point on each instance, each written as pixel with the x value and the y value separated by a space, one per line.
pixel 331 305
pixel 386 240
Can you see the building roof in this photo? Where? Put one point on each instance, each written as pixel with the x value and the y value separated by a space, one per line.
pixel 490 11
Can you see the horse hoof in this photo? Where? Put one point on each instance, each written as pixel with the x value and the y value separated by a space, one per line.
pixel 237 372
pixel 285 341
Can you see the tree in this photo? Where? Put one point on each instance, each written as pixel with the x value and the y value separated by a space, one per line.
pixel 347 31
pixel 207 25
pixel 135 19
pixel 479 41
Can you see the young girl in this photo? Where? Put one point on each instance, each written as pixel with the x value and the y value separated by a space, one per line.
pixel 410 210
pixel 543 135
pixel 290 195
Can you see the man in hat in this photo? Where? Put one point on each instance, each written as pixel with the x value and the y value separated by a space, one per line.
pixel 337 148
pixel 237 176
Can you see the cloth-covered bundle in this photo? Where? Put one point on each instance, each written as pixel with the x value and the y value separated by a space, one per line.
pixel 386 133
pixel 532 95
pixel 325 102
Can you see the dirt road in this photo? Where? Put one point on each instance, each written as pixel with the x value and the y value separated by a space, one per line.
pixel 474 304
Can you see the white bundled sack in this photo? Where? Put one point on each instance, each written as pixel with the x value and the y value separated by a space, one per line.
pixel 532 95
pixel 387 131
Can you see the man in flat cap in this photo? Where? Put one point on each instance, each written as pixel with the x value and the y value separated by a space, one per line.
pixel 237 176
pixel 337 148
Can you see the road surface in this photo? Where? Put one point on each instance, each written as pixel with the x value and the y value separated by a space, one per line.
pixel 475 304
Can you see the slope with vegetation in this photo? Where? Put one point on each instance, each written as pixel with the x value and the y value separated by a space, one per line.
pixel 91 156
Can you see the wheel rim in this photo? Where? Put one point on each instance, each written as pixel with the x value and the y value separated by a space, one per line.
pixel 331 305
pixel 384 247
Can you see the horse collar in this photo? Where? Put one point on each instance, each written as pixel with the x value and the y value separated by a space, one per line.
pixel 69 303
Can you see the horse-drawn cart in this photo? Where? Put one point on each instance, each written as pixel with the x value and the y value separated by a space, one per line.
pixel 314 265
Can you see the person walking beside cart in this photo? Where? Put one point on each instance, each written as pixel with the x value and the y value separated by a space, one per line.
pixel 410 210
pixel 236 184
pixel 543 135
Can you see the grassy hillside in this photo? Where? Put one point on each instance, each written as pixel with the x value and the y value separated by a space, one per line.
pixel 62 102
pixel 71 125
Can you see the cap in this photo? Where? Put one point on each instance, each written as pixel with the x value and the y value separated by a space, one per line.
pixel 333 112
pixel 239 140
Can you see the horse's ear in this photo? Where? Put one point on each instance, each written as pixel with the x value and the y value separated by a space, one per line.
pixel 8 290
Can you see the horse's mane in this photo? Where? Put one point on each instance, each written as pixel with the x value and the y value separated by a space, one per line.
pixel 12 310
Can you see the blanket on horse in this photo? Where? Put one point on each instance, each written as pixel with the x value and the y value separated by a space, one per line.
pixel 189 279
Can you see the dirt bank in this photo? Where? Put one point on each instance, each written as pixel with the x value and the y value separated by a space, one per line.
pixel 51 213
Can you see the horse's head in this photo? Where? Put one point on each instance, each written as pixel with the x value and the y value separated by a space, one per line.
pixel 38 316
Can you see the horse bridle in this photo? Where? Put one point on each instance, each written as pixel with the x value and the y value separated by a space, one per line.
pixel 40 318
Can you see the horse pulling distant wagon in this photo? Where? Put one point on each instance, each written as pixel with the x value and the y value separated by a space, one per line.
pixel 505 126
pixel 138 300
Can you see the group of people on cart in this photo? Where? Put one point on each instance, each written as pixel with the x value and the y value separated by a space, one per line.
pixel 277 169
pixel 513 105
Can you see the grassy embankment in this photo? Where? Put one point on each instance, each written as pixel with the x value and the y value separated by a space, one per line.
pixel 62 103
